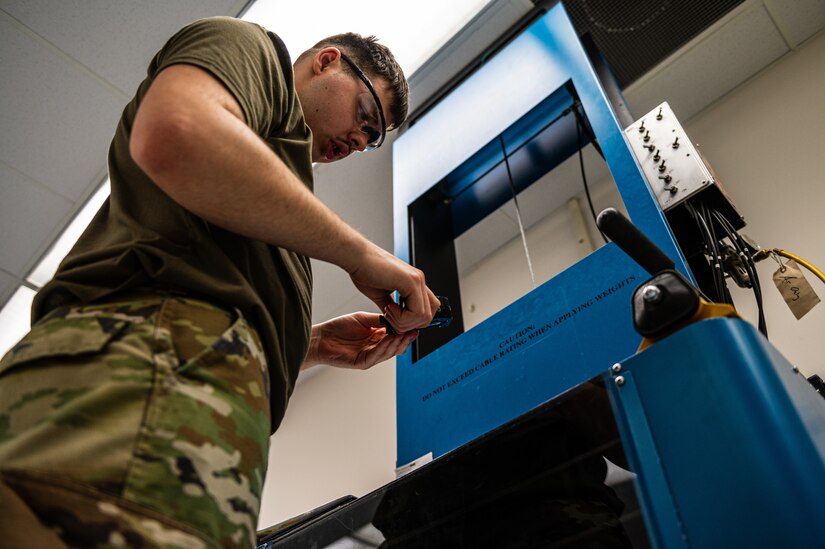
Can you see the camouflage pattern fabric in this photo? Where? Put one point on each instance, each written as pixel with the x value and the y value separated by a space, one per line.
pixel 142 423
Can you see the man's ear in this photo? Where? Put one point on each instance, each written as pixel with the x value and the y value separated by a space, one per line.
pixel 325 59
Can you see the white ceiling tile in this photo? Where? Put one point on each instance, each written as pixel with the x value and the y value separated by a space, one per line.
pixel 711 65
pixel 57 121
pixel 797 20
pixel 116 40
pixel 29 216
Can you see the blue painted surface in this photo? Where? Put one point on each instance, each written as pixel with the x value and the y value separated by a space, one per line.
pixel 718 422
pixel 451 396
pixel 664 526
pixel 558 348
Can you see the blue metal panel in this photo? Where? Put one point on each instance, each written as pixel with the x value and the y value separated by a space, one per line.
pixel 536 348
pixel 659 510
pixel 471 385
pixel 738 435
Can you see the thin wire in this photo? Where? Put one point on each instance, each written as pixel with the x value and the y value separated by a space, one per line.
pixel 584 177
pixel 518 209
pixel 705 237
pixel 749 264
pixel 718 257
pixel 704 231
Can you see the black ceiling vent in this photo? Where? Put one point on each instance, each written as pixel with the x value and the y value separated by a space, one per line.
pixel 635 36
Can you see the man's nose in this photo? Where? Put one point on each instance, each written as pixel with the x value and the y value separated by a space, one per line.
pixel 358 140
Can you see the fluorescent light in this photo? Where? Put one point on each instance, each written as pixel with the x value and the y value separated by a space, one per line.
pixel 414 31
pixel 15 318
pixel 44 271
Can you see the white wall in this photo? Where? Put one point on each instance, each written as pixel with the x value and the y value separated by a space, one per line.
pixel 765 140
pixel 338 438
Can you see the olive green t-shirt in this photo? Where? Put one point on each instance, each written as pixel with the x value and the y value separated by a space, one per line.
pixel 141 239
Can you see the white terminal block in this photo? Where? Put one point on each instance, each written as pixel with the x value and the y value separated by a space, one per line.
pixel 674 169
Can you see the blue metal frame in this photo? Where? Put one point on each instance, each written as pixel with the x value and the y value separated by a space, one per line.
pixel 577 322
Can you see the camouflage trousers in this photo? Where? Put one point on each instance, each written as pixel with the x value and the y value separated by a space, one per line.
pixel 142 423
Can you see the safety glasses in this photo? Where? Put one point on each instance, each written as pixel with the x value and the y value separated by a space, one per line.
pixel 369 109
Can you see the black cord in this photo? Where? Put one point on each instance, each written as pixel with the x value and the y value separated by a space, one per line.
pixel 705 233
pixel 584 177
pixel 750 266
pixel 717 259
pixel 589 131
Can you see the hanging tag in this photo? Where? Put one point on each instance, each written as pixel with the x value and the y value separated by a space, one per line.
pixel 795 290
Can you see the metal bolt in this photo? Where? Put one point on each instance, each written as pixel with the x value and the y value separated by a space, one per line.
pixel 652 293
pixel 616 368
pixel 620 380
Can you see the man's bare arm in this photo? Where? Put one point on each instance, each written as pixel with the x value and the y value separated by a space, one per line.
pixel 190 137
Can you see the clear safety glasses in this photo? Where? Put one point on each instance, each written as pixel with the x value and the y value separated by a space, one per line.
pixel 370 113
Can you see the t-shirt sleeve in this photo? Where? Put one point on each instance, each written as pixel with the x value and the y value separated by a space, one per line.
pixel 242 57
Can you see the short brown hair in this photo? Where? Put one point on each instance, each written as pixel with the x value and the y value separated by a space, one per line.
pixel 378 62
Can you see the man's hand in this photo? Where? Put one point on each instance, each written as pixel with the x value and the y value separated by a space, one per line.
pixel 354 341
pixel 380 274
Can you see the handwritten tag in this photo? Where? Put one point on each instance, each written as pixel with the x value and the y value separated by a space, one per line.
pixel 796 291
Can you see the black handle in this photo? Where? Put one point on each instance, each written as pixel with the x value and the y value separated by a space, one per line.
pixel 633 241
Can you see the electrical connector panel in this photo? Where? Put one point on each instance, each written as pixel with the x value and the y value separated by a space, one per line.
pixel 673 167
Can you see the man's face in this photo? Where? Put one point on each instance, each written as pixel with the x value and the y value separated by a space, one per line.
pixel 339 108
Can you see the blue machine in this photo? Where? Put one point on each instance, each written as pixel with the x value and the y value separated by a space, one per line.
pixel 573 326
pixel 728 442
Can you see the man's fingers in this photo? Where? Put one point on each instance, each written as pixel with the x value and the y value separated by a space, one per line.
pixel 419 311
pixel 435 303
pixel 370 320
pixel 389 347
